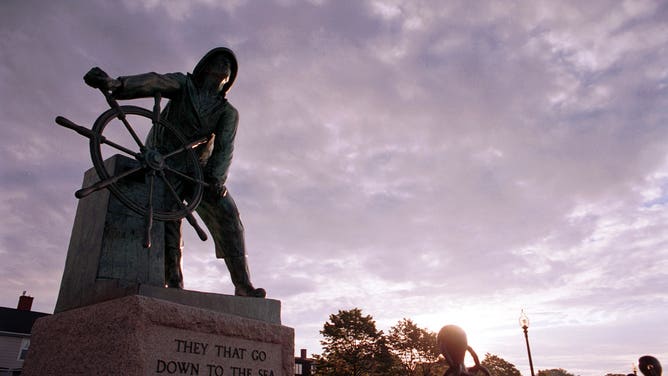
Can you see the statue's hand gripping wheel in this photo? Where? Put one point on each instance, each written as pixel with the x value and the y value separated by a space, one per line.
pixel 152 163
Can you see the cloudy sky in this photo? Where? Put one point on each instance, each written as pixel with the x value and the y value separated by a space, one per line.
pixel 448 162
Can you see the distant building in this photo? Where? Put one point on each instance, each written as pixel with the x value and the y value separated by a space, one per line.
pixel 15 327
pixel 304 366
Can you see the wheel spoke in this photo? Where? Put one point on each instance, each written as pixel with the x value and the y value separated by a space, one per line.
pixel 132 131
pixel 121 116
pixel 191 219
pixel 83 192
pixel 172 191
pixel 93 135
pixel 67 123
pixel 181 174
pixel 187 147
pixel 103 140
pixel 156 109
pixel 149 211
pixel 193 222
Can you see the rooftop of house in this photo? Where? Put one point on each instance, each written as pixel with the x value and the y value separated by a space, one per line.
pixel 18 321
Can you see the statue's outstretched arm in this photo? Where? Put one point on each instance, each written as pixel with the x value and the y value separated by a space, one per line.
pixel 148 84
pixel 138 86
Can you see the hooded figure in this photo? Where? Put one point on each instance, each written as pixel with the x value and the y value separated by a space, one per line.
pixel 198 108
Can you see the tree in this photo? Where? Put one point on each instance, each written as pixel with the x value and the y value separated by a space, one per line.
pixel 387 363
pixel 554 372
pixel 498 366
pixel 352 346
pixel 416 347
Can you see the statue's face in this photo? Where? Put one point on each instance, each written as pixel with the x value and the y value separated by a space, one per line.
pixel 217 73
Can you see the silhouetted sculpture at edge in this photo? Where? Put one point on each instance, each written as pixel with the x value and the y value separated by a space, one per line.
pixel 649 365
pixel 198 108
pixel 453 344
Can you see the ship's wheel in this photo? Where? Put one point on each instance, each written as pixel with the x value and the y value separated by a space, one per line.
pixel 169 167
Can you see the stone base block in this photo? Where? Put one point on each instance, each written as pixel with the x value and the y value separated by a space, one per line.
pixel 106 247
pixel 139 335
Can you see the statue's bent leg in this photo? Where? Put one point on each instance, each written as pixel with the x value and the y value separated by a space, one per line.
pixel 174 243
pixel 221 217
pixel 173 252
pixel 238 267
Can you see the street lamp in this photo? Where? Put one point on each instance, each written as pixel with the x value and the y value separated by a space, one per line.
pixel 524 324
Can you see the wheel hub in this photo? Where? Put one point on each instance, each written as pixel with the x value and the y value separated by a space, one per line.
pixel 154 160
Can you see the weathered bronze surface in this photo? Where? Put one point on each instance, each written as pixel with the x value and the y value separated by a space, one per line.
pixel 189 149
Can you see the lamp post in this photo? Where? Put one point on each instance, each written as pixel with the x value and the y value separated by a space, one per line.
pixel 524 324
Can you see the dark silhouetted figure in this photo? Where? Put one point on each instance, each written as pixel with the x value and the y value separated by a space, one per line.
pixel 649 365
pixel 198 108
pixel 453 345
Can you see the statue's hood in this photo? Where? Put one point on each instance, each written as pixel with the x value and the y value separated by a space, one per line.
pixel 234 66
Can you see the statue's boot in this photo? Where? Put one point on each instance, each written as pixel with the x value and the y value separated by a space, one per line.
pixel 241 277
pixel 173 252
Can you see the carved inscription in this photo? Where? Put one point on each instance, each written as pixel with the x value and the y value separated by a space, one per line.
pixel 217 356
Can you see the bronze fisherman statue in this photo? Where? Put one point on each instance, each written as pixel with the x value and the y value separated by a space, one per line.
pixel 198 108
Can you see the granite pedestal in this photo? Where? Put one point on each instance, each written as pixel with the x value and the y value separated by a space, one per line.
pixel 138 335
pixel 115 317
pixel 106 252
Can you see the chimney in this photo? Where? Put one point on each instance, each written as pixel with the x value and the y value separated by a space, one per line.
pixel 25 302
pixel 303 353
